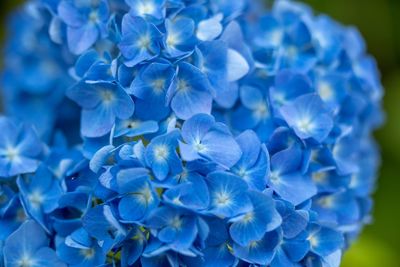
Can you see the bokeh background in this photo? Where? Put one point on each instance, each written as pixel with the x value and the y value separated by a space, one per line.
pixel 379 22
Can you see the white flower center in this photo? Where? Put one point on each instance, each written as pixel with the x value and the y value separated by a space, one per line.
pixel 262 111
pixel 144 42
pixel 158 85
pixel 305 125
pixel 253 244
pixel 248 217
pixel 88 253
pixel 183 85
pixel 36 199
pixel 94 16
pixel 242 172
pixel 199 147
pixel 147 197
pixel 107 96
pixel 326 202
pixel 319 177
pixel 313 240
pixel 12 153
pixel 325 91
pixel 223 199
pixel 161 152
pixel 274 177
pixel 172 39
pixel 146 8
pixel 26 261
pixel 176 222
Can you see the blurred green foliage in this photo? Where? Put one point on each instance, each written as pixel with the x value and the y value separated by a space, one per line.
pixel 378 21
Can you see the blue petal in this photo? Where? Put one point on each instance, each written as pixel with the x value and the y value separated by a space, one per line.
pixel 47 257
pixel 288 86
pixel 82 38
pixel 97 122
pixel 70 14
pixel 258 252
pixel 308 117
pixel 287 161
pixel 153 8
pixel 228 194
pixel 194 129
pixel 140 40
pixel 191 195
pixel 218 256
pixel 161 155
pixel 100 158
pixel 178 39
pixel 131 251
pixel 9 132
pixel 233 36
pixel 281 260
pixel 131 208
pixel 294 221
pixel 254 224
pixel 209 29
pixel 326 241
pixel 212 60
pixel 84 95
pixel 85 61
pixel 294 187
pixel 250 146
pixel 220 146
pixel 191 94
pixel 29 143
pixel 228 96
pixel 296 249
pixel 26 240
pixel 251 97
pixel 132 180
pixel 237 66
pixel 133 128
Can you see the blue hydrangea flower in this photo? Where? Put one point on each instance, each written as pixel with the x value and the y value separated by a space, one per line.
pixel 255 113
pixel 150 87
pixel 253 165
pixel 101 223
pixel 286 178
pixel 179 38
pixel 79 249
pixel 208 140
pixel 20 149
pixel 175 229
pixel 29 246
pixel 212 133
pixel 138 198
pixel 228 195
pixel 260 251
pixel 252 225
pixel 40 194
pixel 162 157
pixel 102 102
pixel 140 40
pixel 190 93
pixel 148 8
pixel 86 22
pixel 308 117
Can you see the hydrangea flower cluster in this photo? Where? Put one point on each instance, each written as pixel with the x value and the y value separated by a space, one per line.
pixel 184 133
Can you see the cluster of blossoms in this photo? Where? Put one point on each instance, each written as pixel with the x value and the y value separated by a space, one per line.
pixel 184 133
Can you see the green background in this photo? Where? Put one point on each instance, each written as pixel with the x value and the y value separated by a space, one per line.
pixel 378 22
